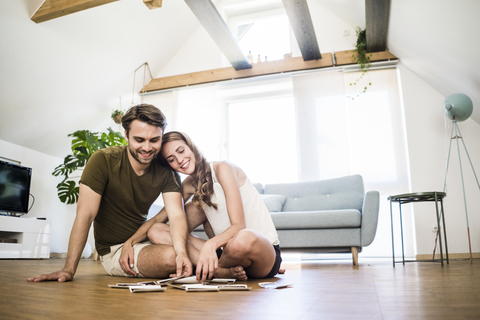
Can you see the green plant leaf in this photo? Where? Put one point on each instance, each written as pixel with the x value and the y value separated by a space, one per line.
pixel 70 164
pixel 360 55
pixel 87 139
pixel 68 192
pixel 113 138
pixel 84 144
pixel 116 112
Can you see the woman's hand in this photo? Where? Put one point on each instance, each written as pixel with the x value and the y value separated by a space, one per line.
pixel 127 259
pixel 207 262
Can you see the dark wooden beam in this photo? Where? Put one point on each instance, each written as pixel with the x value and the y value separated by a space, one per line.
pixel 301 22
pixel 52 9
pixel 376 16
pixel 211 20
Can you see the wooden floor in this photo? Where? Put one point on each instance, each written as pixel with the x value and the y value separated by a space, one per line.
pixel 321 290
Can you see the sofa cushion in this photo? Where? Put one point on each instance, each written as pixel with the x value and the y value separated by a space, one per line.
pixel 333 194
pixel 274 202
pixel 259 187
pixel 327 219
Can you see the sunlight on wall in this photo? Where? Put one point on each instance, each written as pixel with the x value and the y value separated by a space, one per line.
pixel 268 37
pixel 262 139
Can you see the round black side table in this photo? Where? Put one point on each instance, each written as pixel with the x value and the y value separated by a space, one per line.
pixel 420 197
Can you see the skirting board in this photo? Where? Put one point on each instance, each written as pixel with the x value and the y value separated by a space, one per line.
pixel 451 256
pixel 55 255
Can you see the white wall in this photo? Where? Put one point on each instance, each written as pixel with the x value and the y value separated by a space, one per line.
pixel 199 53
pixel 329 29
pixel 43 188
pixel 428 138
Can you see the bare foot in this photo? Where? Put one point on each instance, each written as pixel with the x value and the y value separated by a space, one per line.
pixel 231 273
pixel 281 271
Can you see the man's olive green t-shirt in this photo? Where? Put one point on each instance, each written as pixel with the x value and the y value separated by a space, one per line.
pixel 126 197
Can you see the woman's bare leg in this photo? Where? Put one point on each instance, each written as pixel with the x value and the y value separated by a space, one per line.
pixel 194 216
pixel 252 251
pixel 159 233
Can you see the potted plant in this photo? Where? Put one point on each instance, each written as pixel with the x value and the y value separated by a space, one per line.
pixel 117 116
pixel 84 144
pixel 361 57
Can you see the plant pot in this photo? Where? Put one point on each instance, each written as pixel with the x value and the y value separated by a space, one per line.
pixel 118 118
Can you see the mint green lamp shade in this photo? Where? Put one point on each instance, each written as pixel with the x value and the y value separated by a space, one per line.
pixel 458 107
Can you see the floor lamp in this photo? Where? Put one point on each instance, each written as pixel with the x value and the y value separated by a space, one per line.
pixel 459 107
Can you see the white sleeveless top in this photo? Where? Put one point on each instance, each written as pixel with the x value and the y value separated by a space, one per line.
pixel 256 213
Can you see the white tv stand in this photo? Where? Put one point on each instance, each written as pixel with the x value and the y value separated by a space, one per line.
pixel 32 238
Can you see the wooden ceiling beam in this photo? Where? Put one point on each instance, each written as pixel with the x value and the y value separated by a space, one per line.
pixel 376 17
pixel 213 23
pixel 302 25
pixel 259 69
pixel 153 4
pixel 343 58
pixel 52 9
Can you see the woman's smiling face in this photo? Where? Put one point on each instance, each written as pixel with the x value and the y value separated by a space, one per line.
pixel 179 156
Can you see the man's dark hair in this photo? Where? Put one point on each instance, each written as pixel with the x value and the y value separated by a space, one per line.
pixel 146 113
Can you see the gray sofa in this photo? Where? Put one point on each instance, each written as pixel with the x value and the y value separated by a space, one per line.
pixel 330 216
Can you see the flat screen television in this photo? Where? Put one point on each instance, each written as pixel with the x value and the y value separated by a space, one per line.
pixel 14 188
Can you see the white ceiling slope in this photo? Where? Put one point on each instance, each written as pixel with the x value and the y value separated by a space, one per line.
pixel 69 73
pixel 440 42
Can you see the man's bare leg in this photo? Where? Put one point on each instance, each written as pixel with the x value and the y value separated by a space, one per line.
pixel 157 261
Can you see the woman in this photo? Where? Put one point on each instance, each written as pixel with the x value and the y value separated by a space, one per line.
pixel 225 199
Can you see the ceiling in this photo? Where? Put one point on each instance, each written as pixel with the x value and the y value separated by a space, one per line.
pixel 69 73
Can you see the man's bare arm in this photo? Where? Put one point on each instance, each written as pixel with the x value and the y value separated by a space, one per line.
pixel 87 208
pixel 126 259
pixel 178 230
pixel 141 234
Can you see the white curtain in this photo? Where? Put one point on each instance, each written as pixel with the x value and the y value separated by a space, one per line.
pixel 321 127
pixel 341 136
pixel 199 116
pixel 343 130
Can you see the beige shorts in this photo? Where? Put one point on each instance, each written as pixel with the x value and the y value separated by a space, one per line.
pixel 110 261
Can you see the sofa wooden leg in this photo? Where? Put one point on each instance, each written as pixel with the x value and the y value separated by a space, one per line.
pixel 355 256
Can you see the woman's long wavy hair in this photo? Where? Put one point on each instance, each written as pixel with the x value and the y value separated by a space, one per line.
pixel 202 176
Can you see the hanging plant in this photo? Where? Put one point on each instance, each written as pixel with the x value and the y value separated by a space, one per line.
pixel 84 144
pixel 117 116
pixel 360 56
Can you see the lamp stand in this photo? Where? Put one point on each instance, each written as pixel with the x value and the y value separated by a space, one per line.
pixel 458 136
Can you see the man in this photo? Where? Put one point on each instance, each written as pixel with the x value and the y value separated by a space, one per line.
pixel 117 188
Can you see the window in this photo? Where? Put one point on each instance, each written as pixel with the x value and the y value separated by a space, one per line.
pixel 265 37
pixel 262 139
